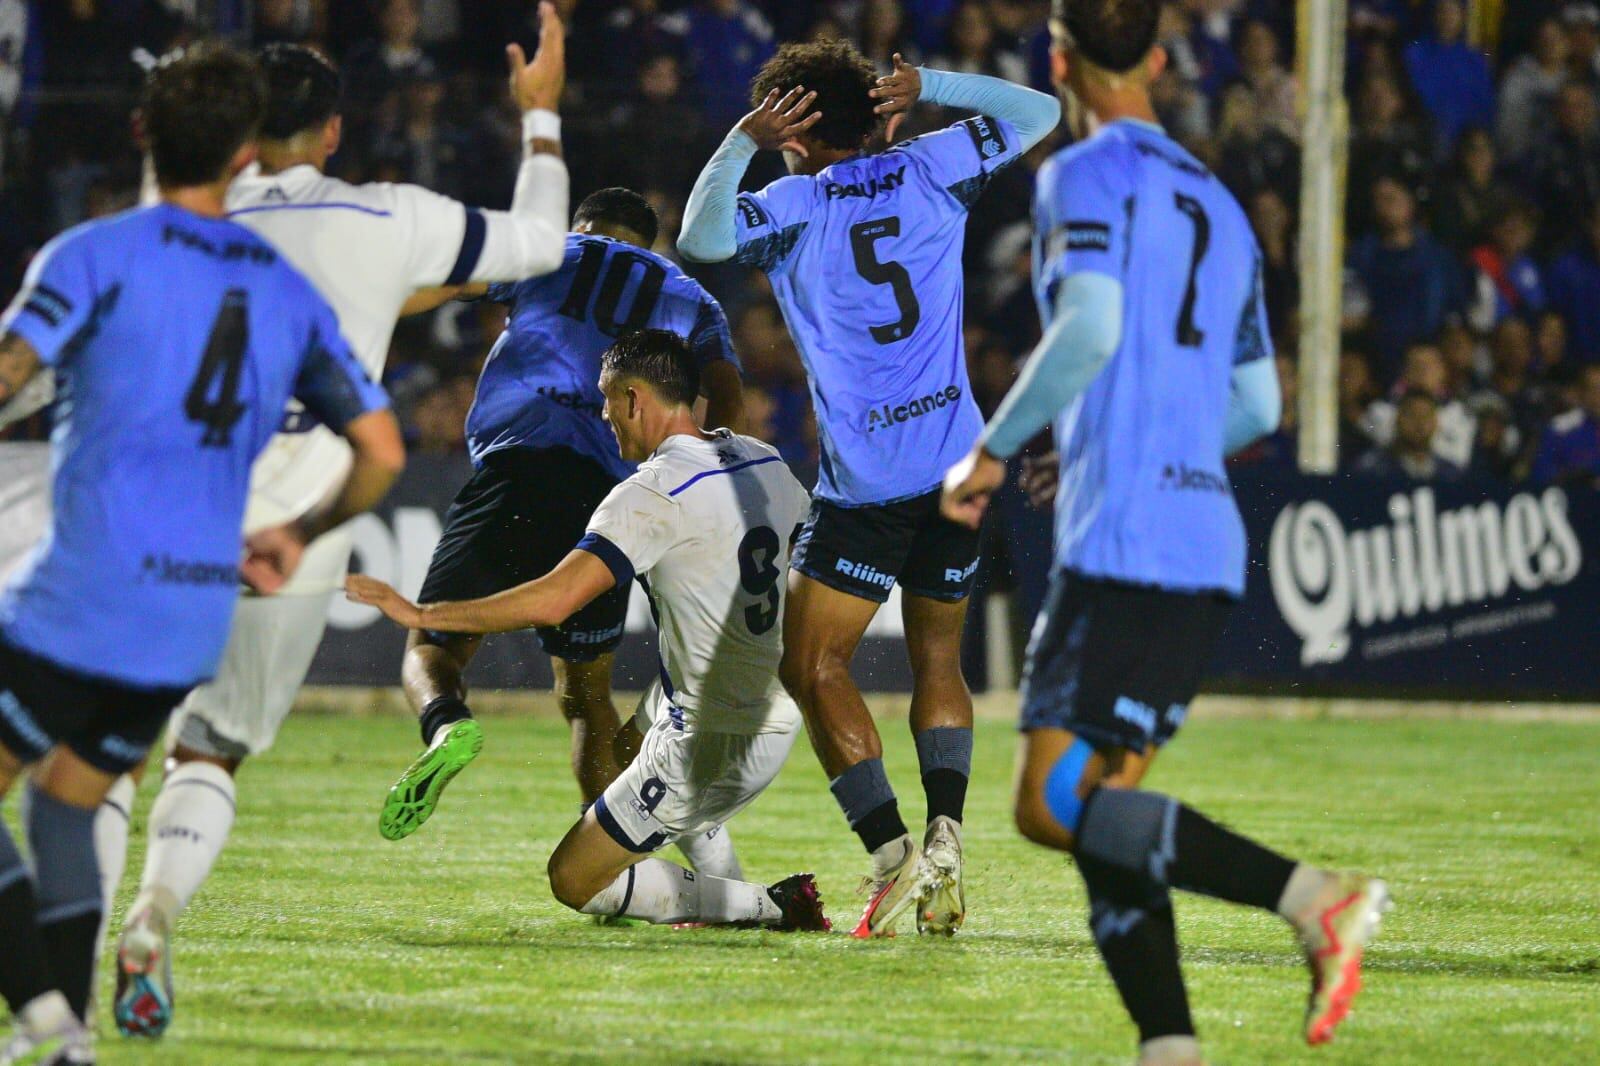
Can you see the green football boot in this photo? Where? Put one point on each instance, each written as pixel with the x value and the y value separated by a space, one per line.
pixel 413 798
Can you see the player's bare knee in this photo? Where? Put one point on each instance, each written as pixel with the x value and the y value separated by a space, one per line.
pixel 567 885
pixel 1035 822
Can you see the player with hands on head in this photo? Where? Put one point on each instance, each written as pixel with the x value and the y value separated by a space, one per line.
pixel 1155 364
pixel 124 606
pixel 863 250
pixel 707 520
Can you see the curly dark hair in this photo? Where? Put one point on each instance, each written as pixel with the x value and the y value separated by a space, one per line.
pixel 839 75
pixel 1113 34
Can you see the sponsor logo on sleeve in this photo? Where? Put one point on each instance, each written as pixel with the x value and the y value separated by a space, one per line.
pixel 986 137
pixel 1088 237
pixel 754 217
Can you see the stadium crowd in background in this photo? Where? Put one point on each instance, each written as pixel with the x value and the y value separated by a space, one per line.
pixel 1472 308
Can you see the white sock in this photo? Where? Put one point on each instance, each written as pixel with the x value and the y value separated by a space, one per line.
pixel 189 823
pixel 1170 1051
pixel 45 1014
pixel 665 893
pixel 711 853
pixel 111 847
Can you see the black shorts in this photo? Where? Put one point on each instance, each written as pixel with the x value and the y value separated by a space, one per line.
pixel 517 517
pixel 863 551
pixel 1118 664
pixel 108 725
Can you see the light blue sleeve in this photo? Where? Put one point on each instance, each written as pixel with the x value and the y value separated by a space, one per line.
pixel 1083 335
pixel 1033 114
pixel 1255 405
pixel 709 228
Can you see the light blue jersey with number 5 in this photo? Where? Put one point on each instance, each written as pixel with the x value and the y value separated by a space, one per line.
pixel 865 261
pixel 1144 497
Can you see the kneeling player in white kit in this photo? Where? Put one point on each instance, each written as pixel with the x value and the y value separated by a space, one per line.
pixel 367 249
pixel 705 524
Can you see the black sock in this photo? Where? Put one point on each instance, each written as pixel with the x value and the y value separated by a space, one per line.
pixel 880 826
pixel 1133 927
pixel 1221 863
pixel 70 944
pixel 947 793
pixel 440 712
pixel 1149 834
pixel 24 970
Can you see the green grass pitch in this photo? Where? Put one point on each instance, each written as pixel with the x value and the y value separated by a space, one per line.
pixel 317 941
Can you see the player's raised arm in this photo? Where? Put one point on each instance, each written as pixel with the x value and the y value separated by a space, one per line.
pixel 544 601
pixel 710 233
pixel 530 238
pixel 1083 335
pixel 1033 114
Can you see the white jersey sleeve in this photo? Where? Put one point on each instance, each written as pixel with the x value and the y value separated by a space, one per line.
pixel 637 520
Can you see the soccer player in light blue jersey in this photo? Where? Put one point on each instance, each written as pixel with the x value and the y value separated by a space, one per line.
pixel 544 460
pixel 863 250
pixel 176 338
pixel 1155 364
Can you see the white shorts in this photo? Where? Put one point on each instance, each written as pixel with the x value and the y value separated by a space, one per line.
pixel 269 652
pixel 686 781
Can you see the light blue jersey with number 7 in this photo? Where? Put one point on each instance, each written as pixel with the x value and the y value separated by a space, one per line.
pixel 1144 497
pixel 865 260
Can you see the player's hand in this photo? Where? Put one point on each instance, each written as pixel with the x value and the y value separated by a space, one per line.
pixel 780 120
pixel 271 557
pixel 898 93
pixel 359 588
pixel 537 85
pixel 969 486
pixel 1040 476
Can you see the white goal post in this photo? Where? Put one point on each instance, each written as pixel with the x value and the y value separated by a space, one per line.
pixel 1319 63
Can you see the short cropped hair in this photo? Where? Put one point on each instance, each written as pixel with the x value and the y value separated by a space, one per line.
pixel 622 208
pixel 302 90
pixel 1114 35
pixel 659 358
pixel 198 110
pixel 839 75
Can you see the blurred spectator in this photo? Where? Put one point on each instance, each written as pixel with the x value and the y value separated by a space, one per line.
pixel 1180 101
pixel 654 139
pixel 1465 365
pixel 377 68
pixel 1451 76
pixel 632 35
pixel 1467 202
pixel 882 33
pixel 1564 167
pixel 294 21
pixel 1273 223
pixel 1569 450
pixel 1528 93
pixel 1357 391
pixel 1511 376
pixel 1390 139
pixel 1425 372
pixel 1410 279
pixel 1582 22
pixel 1497 446
pixel 973 48
pixel 1250 157
pixel 727 42
pixel 1550 342
pixel 1271 86
pixel 1505 278
pixel 1575 292
pixel 439 416
pixel 1410 455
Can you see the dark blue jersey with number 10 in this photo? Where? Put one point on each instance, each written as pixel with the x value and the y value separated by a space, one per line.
pixel 540 387
pixel 176 342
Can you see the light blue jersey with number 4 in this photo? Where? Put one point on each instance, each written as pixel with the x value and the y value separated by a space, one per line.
pixel 865 261
pixel 176 341
pixel 1144 497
